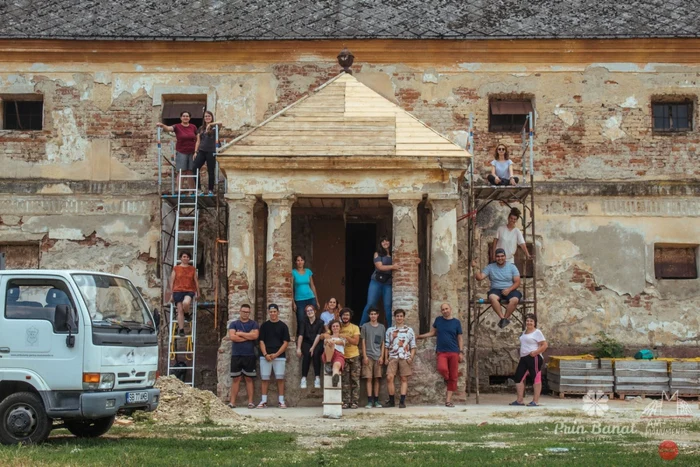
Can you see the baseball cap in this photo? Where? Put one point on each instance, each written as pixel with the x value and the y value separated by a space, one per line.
pixel 500 251
pixel 273 305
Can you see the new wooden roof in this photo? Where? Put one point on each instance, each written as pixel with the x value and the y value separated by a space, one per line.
pixel 343 118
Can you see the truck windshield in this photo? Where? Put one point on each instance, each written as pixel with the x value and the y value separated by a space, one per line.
pixel 112 299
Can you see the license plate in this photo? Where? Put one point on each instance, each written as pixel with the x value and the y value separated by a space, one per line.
pixel 136 397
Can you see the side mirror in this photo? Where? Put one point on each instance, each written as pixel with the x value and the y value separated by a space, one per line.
pixel 64 320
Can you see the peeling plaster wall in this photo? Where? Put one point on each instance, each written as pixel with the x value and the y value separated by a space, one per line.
pixel 593 122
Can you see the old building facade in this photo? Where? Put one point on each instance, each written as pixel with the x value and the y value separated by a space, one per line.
pixel 616 167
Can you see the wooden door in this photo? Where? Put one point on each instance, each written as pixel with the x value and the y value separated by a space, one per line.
pixel 329 259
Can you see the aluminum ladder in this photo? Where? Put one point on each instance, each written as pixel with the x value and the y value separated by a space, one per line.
pixel 182 362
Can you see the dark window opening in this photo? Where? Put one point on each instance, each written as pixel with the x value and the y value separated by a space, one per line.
pixel 508 116
pixel 675 262
pixel 173 109
pixel 23 114
pixel 671 117
pixel 499 380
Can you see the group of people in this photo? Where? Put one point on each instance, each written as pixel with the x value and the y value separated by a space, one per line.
pixel 346 352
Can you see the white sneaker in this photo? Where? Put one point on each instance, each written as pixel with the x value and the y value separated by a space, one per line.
pixel 317 383
pixel 303 383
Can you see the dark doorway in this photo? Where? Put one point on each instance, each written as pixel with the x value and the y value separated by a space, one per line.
pixel 360 239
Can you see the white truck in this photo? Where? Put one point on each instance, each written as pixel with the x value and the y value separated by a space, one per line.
pixel 76 348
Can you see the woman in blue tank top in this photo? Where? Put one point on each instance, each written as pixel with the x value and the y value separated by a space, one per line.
pixel 380 284
pixel 304 288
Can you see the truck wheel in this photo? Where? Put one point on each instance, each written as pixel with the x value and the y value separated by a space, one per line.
pixel 89 428
pixel 23 419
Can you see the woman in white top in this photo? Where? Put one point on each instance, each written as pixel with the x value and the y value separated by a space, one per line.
pixel 334 352
pixel 532 345
pixel 502 168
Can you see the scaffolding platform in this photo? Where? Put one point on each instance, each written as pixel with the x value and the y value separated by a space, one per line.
pixel 479 197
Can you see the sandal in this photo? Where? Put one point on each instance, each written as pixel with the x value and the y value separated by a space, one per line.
pixel 231 405
pixel 449 404
pixel 251 405
pixel 354 406
pixel 516 403
pixel 345 406
pixel 282 405
pixel 262 405
pixel 533 404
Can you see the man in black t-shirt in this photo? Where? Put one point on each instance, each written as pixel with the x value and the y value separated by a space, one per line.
pixel 274 339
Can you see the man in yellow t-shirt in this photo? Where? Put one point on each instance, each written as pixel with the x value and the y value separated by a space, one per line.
pixel 351 371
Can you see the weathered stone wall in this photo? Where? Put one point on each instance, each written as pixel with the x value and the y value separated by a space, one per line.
pixel 593 122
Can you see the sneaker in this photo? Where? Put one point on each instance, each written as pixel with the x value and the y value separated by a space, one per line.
pixel 182 333
pixel 317 383
pixel 506 322
pixel 389 403
pixel 377 404
pixel 211 193
pixel 501 323
pixel 329 368
pixel 369 405
pixel 402 405
pixel 303 383
pixel 336 379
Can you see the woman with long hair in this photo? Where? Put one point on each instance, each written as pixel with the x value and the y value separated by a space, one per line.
pixel 307 346
pixel 304 288
pixel 502 168
pixel 334 352
pixel 205 149
pixel 185 142
pixel 532 345
pixel 380 283
pixel 331 311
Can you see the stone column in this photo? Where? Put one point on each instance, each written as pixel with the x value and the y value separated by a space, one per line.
pixel 241 276
pixel 444 276
pixel 241 252
pixel 279 255
pixel 405 255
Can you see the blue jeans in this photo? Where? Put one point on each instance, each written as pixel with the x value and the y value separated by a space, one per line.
pixel 376 291
pixel 301 304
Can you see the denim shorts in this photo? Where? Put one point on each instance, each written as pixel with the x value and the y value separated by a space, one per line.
pixel 513 294
pixel 184 161
pixel 179 297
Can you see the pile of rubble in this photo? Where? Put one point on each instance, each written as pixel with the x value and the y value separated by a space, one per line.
pixel 182 404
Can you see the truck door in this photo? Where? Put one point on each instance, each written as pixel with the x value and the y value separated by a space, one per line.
pixel 30 339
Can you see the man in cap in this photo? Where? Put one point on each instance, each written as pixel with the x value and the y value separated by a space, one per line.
pixel 505 279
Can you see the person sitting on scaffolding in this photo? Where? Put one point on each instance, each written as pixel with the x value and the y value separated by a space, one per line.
pixel 505 279
pixel 502 168
pixel 184 288
pixel 509 238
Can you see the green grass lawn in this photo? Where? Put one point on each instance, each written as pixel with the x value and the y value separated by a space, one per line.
pixel 442 445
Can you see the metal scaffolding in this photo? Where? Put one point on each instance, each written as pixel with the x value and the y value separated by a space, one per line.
pixel 211 210
pixel 480 196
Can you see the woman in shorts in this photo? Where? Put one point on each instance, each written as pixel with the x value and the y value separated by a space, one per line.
pixel 334 352
pixel 532 345
pixel 184 288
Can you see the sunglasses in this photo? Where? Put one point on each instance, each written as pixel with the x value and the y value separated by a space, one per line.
pixel 501 149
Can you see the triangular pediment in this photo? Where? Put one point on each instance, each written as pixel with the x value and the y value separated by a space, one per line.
pixel 343 118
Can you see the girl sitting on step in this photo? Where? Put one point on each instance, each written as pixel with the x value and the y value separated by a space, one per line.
pixel 334 352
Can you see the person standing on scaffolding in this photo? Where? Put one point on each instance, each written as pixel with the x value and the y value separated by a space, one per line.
pixel 186 139
pixel 509 238
pixel 502 168
pixel 184 288
pixel 505 280
pixel 205 149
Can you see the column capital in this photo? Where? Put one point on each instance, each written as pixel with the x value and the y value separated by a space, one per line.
pixel 405 197
pixel 280 198
pixel 232 198
pixel 444 201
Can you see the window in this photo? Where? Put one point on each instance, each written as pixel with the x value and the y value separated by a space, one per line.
pixel 37 299
pixel 675 261
pixel 20 255
pixel 672 116
pixel 23 112
pixel 173 106
pixel 508 115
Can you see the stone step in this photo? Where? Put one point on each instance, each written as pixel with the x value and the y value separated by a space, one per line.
pixel 332 396
pixel 332 410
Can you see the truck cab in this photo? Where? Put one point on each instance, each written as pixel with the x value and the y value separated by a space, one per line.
pixel 76 348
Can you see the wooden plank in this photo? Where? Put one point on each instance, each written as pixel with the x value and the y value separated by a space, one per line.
pixel 447 153
pixel 313 151
pixel 303 140
pixel 438 146
pixel 380 132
